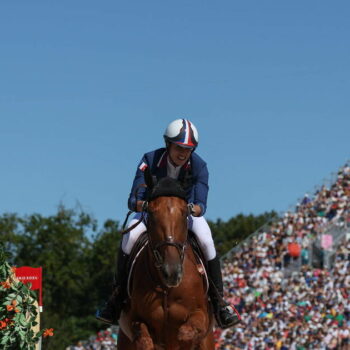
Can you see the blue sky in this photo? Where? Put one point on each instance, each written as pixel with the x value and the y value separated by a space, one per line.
pixel 87 87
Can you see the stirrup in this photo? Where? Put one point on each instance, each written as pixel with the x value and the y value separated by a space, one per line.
pixel 232 316
pixel 99 316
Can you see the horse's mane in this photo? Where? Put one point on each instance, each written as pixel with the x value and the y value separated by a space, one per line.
pixel 168 187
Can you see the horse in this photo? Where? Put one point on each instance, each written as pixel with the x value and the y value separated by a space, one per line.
pixel 168 306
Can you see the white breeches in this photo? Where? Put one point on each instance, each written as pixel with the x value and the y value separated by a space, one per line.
pixel 198 225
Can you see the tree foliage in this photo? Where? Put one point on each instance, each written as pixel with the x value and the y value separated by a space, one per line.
pixel 78 260
pixel 228 234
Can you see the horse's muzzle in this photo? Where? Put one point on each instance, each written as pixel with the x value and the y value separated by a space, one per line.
pixel 172 274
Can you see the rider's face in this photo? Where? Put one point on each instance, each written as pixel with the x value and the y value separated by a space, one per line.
pixel 179 155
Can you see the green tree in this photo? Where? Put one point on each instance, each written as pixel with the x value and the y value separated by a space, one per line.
pixel 59 244
pixel 228 234
pixel 102 260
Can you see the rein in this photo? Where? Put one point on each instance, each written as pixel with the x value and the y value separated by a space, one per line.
pixel 134 225
pixel 124 231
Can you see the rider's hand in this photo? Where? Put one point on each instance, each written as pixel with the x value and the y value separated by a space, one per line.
pixel 196 209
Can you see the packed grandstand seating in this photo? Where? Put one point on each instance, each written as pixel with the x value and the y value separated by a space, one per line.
pixel 307 309
pixel 283 308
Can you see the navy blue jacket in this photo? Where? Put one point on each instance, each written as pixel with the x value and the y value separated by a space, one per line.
pixel 197 191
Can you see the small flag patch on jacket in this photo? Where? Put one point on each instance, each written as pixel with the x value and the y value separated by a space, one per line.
pixel 143 166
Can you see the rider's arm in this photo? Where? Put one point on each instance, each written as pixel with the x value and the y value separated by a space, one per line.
pixel 133 202
pixel 201 189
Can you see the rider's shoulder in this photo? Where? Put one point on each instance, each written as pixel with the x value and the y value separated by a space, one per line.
pixel 155 154
pixel 197 160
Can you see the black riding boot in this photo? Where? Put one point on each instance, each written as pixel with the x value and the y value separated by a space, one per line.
pixel 225 315
pixel 112 309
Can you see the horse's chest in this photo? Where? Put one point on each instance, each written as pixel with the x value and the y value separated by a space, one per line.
pixel 162 307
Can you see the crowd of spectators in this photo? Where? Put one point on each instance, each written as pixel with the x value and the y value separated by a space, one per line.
pixel 103 340
pixel 307 309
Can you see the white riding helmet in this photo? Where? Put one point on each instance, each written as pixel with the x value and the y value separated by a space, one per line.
pixel 183 133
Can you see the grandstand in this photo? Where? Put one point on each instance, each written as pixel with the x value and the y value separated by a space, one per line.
pixel 299 302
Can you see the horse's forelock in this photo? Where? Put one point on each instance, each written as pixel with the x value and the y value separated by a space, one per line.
pixel 168 187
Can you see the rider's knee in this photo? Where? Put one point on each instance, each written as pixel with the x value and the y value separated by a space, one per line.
pixel 131 237
pixel 208 247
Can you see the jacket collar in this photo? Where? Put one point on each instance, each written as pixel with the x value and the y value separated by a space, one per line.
pixel 163 161
pixel 161 168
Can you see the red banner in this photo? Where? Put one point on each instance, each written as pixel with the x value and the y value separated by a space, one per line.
pixel 31 275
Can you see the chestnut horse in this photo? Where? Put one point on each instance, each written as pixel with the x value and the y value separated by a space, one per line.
pixel 168 306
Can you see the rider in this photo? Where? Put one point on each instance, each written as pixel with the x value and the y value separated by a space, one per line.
pixel 179 161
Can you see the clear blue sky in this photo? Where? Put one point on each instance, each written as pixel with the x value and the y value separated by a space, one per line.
pixel 87 87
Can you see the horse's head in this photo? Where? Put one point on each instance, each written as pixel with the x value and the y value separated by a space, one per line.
pixel 167 229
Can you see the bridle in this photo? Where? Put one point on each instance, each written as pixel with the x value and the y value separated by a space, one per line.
pixel 167 242
pixel 155 247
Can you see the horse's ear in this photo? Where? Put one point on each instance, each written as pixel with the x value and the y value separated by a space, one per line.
pixel 149 178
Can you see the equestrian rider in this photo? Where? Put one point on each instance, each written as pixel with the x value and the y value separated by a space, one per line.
pixel 177 160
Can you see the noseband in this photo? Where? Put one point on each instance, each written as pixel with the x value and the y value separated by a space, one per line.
pixel 159 261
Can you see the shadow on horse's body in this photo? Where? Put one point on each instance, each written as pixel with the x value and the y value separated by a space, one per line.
pixel 168 308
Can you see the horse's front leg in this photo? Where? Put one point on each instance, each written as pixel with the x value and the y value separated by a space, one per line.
pixel 142 337
pixel 194 329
